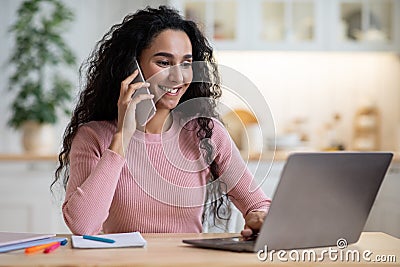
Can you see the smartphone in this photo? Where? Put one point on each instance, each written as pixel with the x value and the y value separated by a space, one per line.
pixel 145 109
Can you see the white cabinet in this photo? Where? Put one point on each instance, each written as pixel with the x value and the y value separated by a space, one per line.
pixel 267 176
pixel 385 213
pixel 337 25
pixel 256 24
pixel 286 25
pixel 26 203
pixel 365 25
pixel 221 21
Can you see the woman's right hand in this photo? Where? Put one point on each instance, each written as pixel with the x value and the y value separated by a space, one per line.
pixel 126 125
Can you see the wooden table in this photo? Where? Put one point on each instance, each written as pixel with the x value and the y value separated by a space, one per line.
pixel 168 250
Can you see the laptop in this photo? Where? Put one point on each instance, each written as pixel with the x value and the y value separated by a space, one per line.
pixel 321 198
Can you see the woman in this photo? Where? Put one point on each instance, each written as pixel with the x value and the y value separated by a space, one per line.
pixel 160 178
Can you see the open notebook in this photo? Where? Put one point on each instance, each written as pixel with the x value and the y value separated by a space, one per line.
pixel 10 238
pixel 122 240
pixel 10 241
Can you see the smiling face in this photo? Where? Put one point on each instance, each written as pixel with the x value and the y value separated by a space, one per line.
pixel 166 64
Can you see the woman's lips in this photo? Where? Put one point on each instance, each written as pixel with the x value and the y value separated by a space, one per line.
pixel 172 91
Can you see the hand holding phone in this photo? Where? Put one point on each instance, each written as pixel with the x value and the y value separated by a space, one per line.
pixel 145 109
pixel 130 100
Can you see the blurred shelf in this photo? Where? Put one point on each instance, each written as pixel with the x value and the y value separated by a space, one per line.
pixel 28 157
pixel 266 156
pixel 278 155
pixel 282 155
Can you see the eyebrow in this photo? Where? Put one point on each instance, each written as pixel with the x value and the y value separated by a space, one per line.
pixel 169 55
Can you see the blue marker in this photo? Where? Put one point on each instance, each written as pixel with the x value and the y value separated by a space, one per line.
pixel 96 238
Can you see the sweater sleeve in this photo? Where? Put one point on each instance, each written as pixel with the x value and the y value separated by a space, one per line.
pixel 241 187
pixel 94 174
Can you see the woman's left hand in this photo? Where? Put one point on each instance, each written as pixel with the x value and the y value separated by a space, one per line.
pixel 253 222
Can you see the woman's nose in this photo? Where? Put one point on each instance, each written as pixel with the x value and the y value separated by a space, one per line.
pixel 175 74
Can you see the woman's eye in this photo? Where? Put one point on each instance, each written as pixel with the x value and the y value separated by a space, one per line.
pixel 186 64
pixel 163 63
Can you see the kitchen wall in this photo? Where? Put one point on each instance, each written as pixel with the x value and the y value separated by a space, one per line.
pixel 310 86
pixel 313 86
pixel 93 18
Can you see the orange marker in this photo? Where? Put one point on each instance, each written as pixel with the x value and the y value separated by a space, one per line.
pixel 53 247
pixel 39 247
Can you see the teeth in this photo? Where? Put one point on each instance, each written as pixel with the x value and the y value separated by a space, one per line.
pixel 169 90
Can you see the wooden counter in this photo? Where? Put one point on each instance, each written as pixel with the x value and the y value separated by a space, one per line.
pixel 282 155
pixel 28 157
pixel 279 155
pixel 168 250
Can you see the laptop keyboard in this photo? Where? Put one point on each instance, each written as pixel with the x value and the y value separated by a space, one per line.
pixel 238 240
pixel 239 244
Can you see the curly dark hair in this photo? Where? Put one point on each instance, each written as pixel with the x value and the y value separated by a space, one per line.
pixel 112 60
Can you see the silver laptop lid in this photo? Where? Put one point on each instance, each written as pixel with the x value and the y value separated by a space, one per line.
pixel 322 197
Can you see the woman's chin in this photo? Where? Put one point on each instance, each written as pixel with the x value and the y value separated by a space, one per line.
pixel 167 104
pixel 169 100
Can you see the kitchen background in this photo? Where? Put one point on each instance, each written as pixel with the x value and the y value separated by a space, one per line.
pixel 314 76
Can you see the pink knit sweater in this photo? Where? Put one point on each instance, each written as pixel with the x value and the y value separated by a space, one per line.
pixel 159 187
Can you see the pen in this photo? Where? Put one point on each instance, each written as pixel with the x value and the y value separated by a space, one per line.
pixel 52 248
pixel 96 238
pixel 39 247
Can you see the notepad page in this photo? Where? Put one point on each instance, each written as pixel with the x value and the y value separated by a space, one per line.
pixel 122 240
